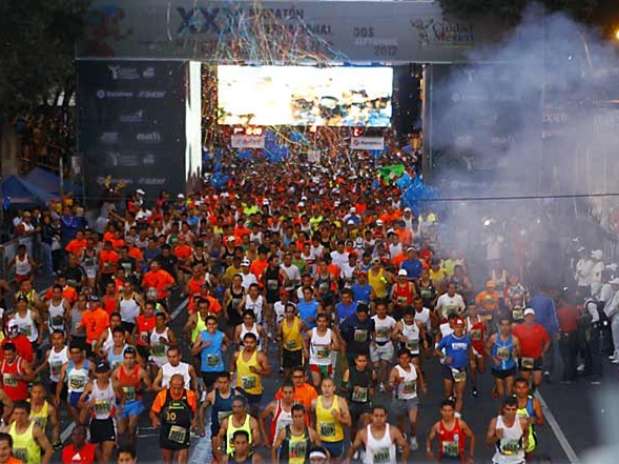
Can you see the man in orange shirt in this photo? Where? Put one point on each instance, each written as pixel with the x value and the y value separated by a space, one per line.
pixel 77 245
pixel 108 259
pixel 488 300
pixel 304 393
pixel 259 264
pixel 174 413
pixel 183 254
pixel 158 279
pixel 95 321
pixel 6 450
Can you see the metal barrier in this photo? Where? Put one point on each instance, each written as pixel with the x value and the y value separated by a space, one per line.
pixel 8 250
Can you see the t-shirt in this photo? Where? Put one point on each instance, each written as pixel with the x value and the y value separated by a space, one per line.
pixel 457 348
pixel 532 339
pixel 95 323
pixel 85 455
pixel 304 395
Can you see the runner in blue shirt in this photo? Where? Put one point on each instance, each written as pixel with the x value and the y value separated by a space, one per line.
pixel 308 308
pixel 361 290
pixel 347 307
pixel 454 351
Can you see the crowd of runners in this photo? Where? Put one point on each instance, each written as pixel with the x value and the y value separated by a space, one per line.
pixel 312 274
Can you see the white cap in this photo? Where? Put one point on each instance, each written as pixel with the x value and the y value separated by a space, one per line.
pixel 245 262
pixel 529 311
pixel 180 195
pixel 300 204
pixel 402 272
pixel 353 210
pixel 408 210
pixel 350 222
pixel 140 192
pixel 379 222
pixel 265 202
pixel 231 238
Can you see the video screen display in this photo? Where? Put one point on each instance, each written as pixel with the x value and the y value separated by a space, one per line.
pixel 304 96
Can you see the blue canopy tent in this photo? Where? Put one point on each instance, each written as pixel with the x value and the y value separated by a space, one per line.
pixel 16 191
pixel 48 181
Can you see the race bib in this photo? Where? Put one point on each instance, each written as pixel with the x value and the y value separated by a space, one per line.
pixel 177 434
pixel 21 454
pixel 327 429
pixel 291 345
pixel 272 284
pixel 503 353
pixel 26 330
pixel 412 345
pixel 9 380
pixel 102 407
pixel 129 393
pixel 55 368
pixel 361 335
pixel 509 447
pixel 450 449
pixel 158 350
pixel 476 335
pixel 383 333
pixel 77 382
pixel 528 363
pixel 41 422
pixel 359 394
pixel 402 300
pixel 458 375
pixel 248 382
pixel 410 387
pixel 323 353
pixel 212 360
pixel 425 293
pixel 381 455
pixel 297 450
pixel 518 314
pixel 57 321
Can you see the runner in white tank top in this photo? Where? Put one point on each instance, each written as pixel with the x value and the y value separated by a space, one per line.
pixel 104 400
pixel 379 450
pixel 56 359
pixel 320 347
pixel 158 350
pixel 411 335
pixel 27 326
pixel 407 388
pixel 282 418
pixel 129 309
pixel 255 306
pixel 510 445
pixel 23 267
pixel 168 370
pixel 56 320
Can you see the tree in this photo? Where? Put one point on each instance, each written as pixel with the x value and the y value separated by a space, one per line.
pixel 37 72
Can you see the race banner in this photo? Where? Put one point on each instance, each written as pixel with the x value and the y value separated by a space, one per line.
pixel 247 141
pixel 367 143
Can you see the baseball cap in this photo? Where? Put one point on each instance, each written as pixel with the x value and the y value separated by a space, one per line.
pixel 529 311
pixel 459 321
pixel 140 192
pixel 93 298
pixel 379 222
pixel 180 195
pixel 102 367
pixel 402 272
pixel 245 262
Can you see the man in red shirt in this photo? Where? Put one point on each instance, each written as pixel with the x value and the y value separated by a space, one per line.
pixel 158 279
pixel 79 451
pixel 567 314
pixel 23 346
pixel 534 343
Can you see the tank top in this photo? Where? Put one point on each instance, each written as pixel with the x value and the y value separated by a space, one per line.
pixel 382 328
pixel 176 418
pixel 76 318
pixel 451 442
pixel 378 283
pixel 22 266
pixel 411 336
pixel 231 429
pixel 211 357
pixel 320 347
pixel 116 359
pixel 272 281
pixel 291 335
pixel 477 330
pixel 109 341
pixel 104 399
pixel 248 381
pixel 221 409
pixel 329 429
pixel 403 294
pixel 359 384
pixel 56 360
pixel 503 349
pixel 529 411
pixel 168 371
pixel 129 309
pixel 236 298
pixel 15 389
pixel 379 450
pixel 509 449
pixel 25 447
pixel 407 389
pixel 56 315
pixel 158 351
pixel 77 378
pixel 255 305
pixel 197 330
pixel 40 417
pixel 130 383
pixel 245 330
pixel 26 326
pixel 295 448
pixel 281 419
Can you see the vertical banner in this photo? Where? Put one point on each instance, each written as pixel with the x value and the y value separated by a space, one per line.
pixel 132 124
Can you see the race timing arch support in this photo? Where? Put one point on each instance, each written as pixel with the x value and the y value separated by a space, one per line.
pixel 139 87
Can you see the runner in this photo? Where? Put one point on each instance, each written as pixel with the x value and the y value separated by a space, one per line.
pixel 250 366
pixel 530 408
pixel 406 381
pixel 503 349
pixel 249 325
pixel 99 401
pixel 454 350
pixel 411 334
pixel 30 444
pixel 239 420
pixel 16 373
pixel 290 332
pixel 358 332
pixel 359 380
pixel 320 342
pixel 332 416
pixel 403 294
pixel 172 367
pixel 57 309
pixel 476 328
pixel 534 343
pixel 381 348
pixel 451 434
pixel 43 413
pixel 54 359
pixel 242 452
pixel 129 376
pixel 506 433
pixel 304 393
pixel 79 450
pixel 174 413
pixel 160 341
pixel 220 398
pixel 281 412
pixel 210 345
pixel 76 373
pixel 293 443
pixel 379 439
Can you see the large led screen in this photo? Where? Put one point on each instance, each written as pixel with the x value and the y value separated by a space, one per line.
pixel 304 96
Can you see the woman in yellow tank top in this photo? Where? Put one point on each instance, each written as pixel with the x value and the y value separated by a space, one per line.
pixel 290 331
pixel 332 415
pixel 378 279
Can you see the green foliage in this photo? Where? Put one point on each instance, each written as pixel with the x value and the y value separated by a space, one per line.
pixel 37 43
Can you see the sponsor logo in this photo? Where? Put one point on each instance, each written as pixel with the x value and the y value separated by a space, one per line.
pixel 151 93
pixel 148 159
pixel 152 180
pixel 148 137
pixel 109 138
pixel 443 32
pixel 367 143
pixel 101 94
pixel 136 117
pixel 123 73
pixel 247 141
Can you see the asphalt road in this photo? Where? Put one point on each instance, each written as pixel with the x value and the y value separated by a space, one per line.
pixel 577 414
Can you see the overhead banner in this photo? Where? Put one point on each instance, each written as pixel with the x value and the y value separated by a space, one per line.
pixel 282 32
pixel 132 124
pixel 367 143
pixel 247 141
